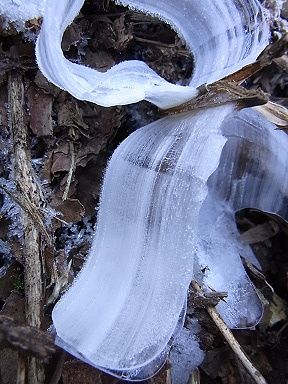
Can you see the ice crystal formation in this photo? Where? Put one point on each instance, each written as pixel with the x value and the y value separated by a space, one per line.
pixel 170 191
pixel 19 11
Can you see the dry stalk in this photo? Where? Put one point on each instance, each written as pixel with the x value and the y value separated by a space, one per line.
pixel 26 339
pixel 21 369
pixel 71 171
pixel 233 343
pixel 30 190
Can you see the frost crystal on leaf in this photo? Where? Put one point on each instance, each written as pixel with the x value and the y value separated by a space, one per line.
pixel 19 11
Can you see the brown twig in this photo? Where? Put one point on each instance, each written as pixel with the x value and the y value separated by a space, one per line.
pixel 29 208
pixel 71 171
pixel 230 339
pixel 160 44
pixel 21 369
pixel 27 185
pixel 25 339
pixel 59 368
pixel 219 93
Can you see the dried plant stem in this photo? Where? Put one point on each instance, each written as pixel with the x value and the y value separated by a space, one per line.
pixel 21 370
pixel 59 367
pixel 70 173
pixel 229 337
pixel 28 187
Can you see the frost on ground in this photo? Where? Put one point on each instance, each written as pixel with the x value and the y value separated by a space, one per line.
pixel 19 11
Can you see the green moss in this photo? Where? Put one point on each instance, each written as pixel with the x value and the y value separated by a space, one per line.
pixel 18 284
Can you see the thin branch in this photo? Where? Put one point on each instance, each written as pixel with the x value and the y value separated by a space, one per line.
pixel 29 187
pixel 229 337
pixel 71 171
pixel 219 93
pixel 21 369
pixel 26 339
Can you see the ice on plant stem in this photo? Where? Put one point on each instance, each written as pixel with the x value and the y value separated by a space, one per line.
pixel 123 309
pixel 157 220
pixel 252 173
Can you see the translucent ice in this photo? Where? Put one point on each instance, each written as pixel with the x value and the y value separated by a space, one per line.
pixel 123 310
pixel 186 354
pixel 222 35
pixel 158 220
pixel 252 173
pixel 124 307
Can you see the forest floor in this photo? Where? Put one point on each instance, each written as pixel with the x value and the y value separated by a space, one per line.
pixel 70 142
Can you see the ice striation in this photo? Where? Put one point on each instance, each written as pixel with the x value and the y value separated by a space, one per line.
pixel 124 307
pixel 162 213
pixel 168 202
pixel 252 173
pixel 230 33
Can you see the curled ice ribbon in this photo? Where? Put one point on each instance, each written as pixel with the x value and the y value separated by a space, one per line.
pixel 164 210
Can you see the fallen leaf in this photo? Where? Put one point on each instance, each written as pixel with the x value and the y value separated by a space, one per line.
pixel 100 60
pixel 40 112
pixel 275 113
pixel 61 158
pixel 72 210
pixel 45 85
pixel 260 232
pixel 70 115
pixel 276 310
pixel 75 372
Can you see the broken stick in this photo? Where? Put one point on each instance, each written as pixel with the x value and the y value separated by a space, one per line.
pixel 233 343
pixel 29 188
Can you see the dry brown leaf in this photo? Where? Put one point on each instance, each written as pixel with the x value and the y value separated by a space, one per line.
pixel 72 210
pixel 221 92
pixel 260 232
pixel 61 159
pixel 110 34
pixel 276 310
pixel 40 112
pixel 70 115
pixel 100 60
pixel 45 85
pixel 123 33
pixel 275 113
pixel 72 36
